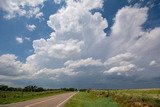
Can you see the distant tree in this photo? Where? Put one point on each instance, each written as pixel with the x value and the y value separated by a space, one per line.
pixel 3 87
pixel 19 89
pixel 71 89
pixel 39 89
pixel 29 88
pixel 83 90
pixel 65 89
pixel 34 88
pixel 11 89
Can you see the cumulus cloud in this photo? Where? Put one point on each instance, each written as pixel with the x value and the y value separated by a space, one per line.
pixel 55 73
pixel 39 15
pixel 127 35
pixel 58 1
pixel 153 63
pixel 83 62
pixel 9 66
pixel 20 40
pixel 120 64
pixel 72 69
pixel 78 31
pixel 127 27
pixel 58 50
pixel 150 38
pixel 120 59
pixel 78 43
pixel 79 22
pixel 121 69
pixel 31 27
pixel 12 8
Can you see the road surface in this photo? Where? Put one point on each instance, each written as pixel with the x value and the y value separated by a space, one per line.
pixel 52 101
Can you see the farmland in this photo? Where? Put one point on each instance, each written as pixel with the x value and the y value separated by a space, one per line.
pixel 7 97
pixel 116 98
pixel 12 95
pixel 85 97
pixel 137 97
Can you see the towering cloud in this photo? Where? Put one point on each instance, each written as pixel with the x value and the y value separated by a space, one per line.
pixel 78 51
pixel 18 7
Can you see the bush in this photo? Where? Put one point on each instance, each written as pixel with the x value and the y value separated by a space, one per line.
pixel 3 96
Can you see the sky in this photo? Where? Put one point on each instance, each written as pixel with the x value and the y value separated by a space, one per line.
pixel 101 44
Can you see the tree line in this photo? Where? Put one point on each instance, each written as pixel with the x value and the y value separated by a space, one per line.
pixel 29 88
pixel 32 88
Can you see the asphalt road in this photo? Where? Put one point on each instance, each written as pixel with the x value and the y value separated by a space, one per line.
pixel 52 101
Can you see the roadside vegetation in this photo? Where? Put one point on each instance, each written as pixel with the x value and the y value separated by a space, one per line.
pixel 116 98
pixel 90 99
pixel 136 97
pixel 12 95
pixel 85 97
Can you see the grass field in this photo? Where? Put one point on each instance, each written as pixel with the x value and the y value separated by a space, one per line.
pixel 91 99
pixel 116 98
pixel 136 97
pixel 7 97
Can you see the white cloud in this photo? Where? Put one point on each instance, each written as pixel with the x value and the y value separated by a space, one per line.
pixel 9 66
pixel 127 26
pixel 129 18
pixel 31 27
pixel 133 1
pixel 39 15
pixel 12 69
pixel 55 73
pixel 78 30
pixel 79 23
pixel 19 39
pixel 120 64
pixel 120 59
pixel 128 36
pixel 70 69
pixel 121 69
pixel 18 7
pixel 153 63
pixel 83 62
pixel 27 38
pixel 128 33
pixel 71 35
pixel 78 43
pixel 58 1
pixel 150 38
pixel 63 49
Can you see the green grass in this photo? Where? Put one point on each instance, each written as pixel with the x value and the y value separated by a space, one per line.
pixel 91 99
pixel 7 97
pixel 136 97
pixel 116 98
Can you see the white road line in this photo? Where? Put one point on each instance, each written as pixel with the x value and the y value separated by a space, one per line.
pixel 65 100
pixel 39 102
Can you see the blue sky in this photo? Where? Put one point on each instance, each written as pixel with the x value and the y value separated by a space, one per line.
pixel 82 43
